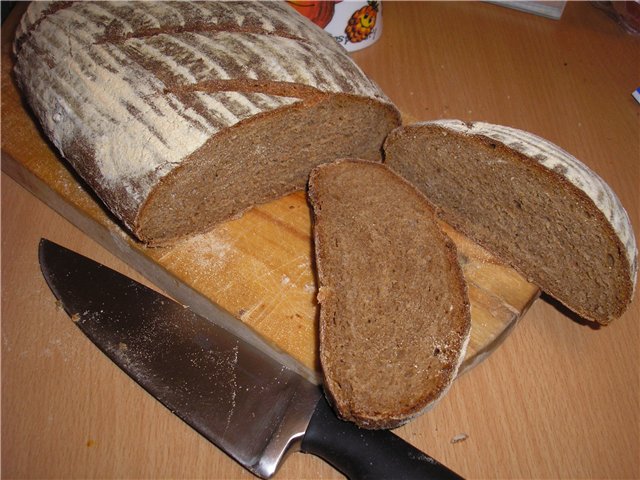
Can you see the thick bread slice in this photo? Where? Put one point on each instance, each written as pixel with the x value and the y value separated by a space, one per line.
pixel 530 203
pixel 183 114
pixel 394 313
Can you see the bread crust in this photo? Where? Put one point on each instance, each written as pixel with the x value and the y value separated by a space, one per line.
pixel 141 87
pixel 582 187
pixel 348 408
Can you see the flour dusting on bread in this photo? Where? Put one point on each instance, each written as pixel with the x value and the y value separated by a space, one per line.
pixel 154 103
pixel 530 203
pixel 557 159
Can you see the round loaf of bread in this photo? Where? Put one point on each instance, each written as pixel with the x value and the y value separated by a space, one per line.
pixel 183 114
pixel 394 312
pixel 530 203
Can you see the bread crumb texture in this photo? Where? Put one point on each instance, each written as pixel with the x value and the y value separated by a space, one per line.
pixel 394 314
pixel 528 202
pixel 183 114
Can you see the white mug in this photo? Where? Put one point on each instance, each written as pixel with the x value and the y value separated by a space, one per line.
pixel 354 24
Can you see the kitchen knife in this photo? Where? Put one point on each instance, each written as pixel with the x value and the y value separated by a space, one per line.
pixel 235 395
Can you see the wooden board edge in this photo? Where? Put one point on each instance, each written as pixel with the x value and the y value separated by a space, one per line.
pixel 128 251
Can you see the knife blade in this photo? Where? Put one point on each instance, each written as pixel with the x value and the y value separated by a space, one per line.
pixel 241 399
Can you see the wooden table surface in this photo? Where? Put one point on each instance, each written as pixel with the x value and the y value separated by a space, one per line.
pixel 559 399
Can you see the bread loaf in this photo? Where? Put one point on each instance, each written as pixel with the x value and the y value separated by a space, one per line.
pixel 530 203
pixel 180 115
pixel 394 312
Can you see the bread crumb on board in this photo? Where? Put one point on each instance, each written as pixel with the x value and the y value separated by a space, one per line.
pixel 461 437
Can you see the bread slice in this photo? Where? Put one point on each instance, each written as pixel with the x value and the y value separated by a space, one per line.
pixel 528 202
pixel 180 115
pixel 394 312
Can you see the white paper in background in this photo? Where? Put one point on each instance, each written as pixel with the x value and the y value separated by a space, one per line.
pixel 549 9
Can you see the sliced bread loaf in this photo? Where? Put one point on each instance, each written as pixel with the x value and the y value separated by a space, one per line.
pixel 183 114
pixel 394 313
pixel 528 202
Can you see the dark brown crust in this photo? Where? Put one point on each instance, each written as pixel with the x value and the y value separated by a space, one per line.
pixel 78 146
pixel 278 89
pixel 113 35
pixel 55 7
pixel 393 118
pixel 553 178
pixel 361 414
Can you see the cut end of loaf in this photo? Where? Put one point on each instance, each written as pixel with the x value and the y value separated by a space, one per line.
pixel 531 216
pixel 262 159
pixel 150 104
pixel 394 313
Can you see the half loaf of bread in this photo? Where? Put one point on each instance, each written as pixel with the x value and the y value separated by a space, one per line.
pixel 530 203
pixel 183 114
pixel 394 312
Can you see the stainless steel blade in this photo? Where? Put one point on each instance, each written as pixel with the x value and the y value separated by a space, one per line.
pixel 235 395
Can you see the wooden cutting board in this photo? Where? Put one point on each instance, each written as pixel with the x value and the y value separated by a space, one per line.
pixel 258 268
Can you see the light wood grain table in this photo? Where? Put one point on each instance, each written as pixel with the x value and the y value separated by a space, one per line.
pixel 558 399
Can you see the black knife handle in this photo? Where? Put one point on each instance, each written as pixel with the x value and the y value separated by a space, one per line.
pixel 367 454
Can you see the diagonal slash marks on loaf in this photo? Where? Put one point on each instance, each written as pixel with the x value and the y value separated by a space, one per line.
pixel 112 35
pixel 274 88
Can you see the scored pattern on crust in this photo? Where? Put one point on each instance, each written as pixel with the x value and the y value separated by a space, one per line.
pixel 558 160
pixel 111 79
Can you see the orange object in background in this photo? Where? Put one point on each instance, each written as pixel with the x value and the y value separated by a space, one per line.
pixel 353 24
pixel 319 12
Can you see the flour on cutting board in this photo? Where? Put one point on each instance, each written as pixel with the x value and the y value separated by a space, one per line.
pixel 209 251
pixel 461 437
